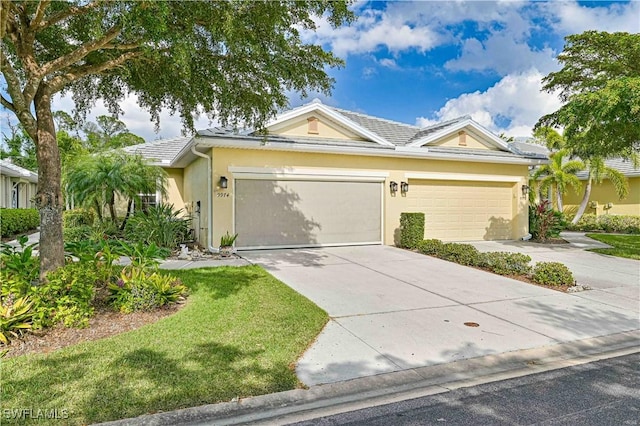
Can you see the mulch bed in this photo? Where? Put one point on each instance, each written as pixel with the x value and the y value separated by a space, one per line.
pixel 104 323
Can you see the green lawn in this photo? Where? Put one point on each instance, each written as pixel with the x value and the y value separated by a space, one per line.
pixel 239 335
pixel 623 245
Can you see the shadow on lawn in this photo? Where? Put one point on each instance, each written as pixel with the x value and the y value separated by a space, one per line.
pixel 210 373
pixel 219 282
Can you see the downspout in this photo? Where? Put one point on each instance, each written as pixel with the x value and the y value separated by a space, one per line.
pixel 209 199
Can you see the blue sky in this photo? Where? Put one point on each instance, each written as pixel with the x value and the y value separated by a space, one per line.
pixel 423 62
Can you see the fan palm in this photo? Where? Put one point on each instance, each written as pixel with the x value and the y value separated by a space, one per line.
pixel 558 175
pixel 598 171
pixel 97 180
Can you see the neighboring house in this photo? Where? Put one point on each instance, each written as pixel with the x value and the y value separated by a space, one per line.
pixel 603 199
pixel 18 186
pixel 324 176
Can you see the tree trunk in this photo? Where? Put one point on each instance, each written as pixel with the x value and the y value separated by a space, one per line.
pixel 585 201
pixel 559 199
pixel 48 199
pixel 126 217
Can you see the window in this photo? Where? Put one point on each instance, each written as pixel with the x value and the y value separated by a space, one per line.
pixel 15 195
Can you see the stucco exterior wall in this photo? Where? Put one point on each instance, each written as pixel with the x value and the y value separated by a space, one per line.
pixel 194 190
pixel 453 141
pixel 397 168
pixel 175 189
pixel 603 194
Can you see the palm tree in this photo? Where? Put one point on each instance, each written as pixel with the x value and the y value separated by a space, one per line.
pixel 598 171
pixel 558 175
pixel 97 180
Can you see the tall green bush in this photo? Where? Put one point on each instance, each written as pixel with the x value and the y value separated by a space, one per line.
pixel 545 222
pixel 160 225
pixel 411 229
pixel 15 221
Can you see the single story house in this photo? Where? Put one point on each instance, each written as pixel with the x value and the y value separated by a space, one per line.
pixel 603 199
pixel 18 186
pixel 324 176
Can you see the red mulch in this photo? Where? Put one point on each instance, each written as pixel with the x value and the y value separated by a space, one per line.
pixel 104 323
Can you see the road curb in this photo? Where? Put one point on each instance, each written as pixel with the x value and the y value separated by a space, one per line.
pixel 334 398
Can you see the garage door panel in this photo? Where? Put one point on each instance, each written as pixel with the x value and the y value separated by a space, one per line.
pixel 464 210
pixel 281 213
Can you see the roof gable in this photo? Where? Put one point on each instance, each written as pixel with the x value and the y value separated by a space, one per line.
pixel 339 123
pixel 443 134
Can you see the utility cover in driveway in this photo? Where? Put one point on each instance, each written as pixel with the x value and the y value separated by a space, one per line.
pixel 296 213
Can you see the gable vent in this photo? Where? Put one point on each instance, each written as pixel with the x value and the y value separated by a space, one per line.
pixel 462 138
pixel 312 123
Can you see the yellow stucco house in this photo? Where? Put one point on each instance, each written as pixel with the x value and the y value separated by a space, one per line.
pixel 603 199
pixel 18 186
pixel 324 176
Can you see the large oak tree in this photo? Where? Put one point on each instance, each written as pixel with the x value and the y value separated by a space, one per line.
pixel 233 60
pixel 600 85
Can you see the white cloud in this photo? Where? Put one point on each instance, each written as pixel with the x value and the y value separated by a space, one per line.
pixel 569 17
pixel 137 120
pixel 502 53
pixel 516 98
pixel 388 63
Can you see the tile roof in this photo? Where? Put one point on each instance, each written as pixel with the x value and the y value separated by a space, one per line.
pixel 397 133
pixel 622 165
pixel 7 168
pixel 162 151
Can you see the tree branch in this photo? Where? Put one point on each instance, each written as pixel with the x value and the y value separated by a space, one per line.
pixel 72 11
pixel 8 105
pixel 73 57
pixel 17 105
pixel 35 23
pixel 59 82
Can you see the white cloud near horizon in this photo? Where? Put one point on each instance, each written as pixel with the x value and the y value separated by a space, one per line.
pixel 516 97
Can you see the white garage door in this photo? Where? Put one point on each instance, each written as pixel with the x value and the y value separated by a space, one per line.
pixel 464 210
pixel 297 213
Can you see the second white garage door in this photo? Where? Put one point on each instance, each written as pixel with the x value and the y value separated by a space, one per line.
pixel 299 213
pixel 464 210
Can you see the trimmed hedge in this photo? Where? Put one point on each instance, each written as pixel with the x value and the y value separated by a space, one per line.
pixel 16 221
pixel 411 229
pixel 430 247
pixel 552 273
pixel 505 263
pixel 607 223
pixel 464 254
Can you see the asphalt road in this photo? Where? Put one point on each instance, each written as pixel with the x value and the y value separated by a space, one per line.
pixel 604 392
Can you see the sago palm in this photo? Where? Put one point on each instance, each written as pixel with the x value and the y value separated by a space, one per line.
pixel 559 175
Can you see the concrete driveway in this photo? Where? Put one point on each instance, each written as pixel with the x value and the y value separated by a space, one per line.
pixel 394 310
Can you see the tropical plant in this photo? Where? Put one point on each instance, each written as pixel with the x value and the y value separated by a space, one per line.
pixel 139 290
pixel 160 225
pixel 227 240
pixel 235 61
pixel 97 180
pixel 16 316
pixel 598 171
pixel 545 222
pixel 19 261
pixel 558 175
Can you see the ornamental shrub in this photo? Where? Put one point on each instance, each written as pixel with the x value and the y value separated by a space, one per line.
pixel 160 225
pixel 505 263
pixel 464 254
pixel 553 274
pixel 625 224
pixel 544 222
pixel 430 247
pixel 66 296
pixel 411 229
pixel 77 217
pixel 16 221
pixel 140 290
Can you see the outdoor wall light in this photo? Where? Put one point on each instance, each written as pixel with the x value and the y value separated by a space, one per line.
pixel 223 182
pixel 525 190
pixel 393 186
pixel 404 187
